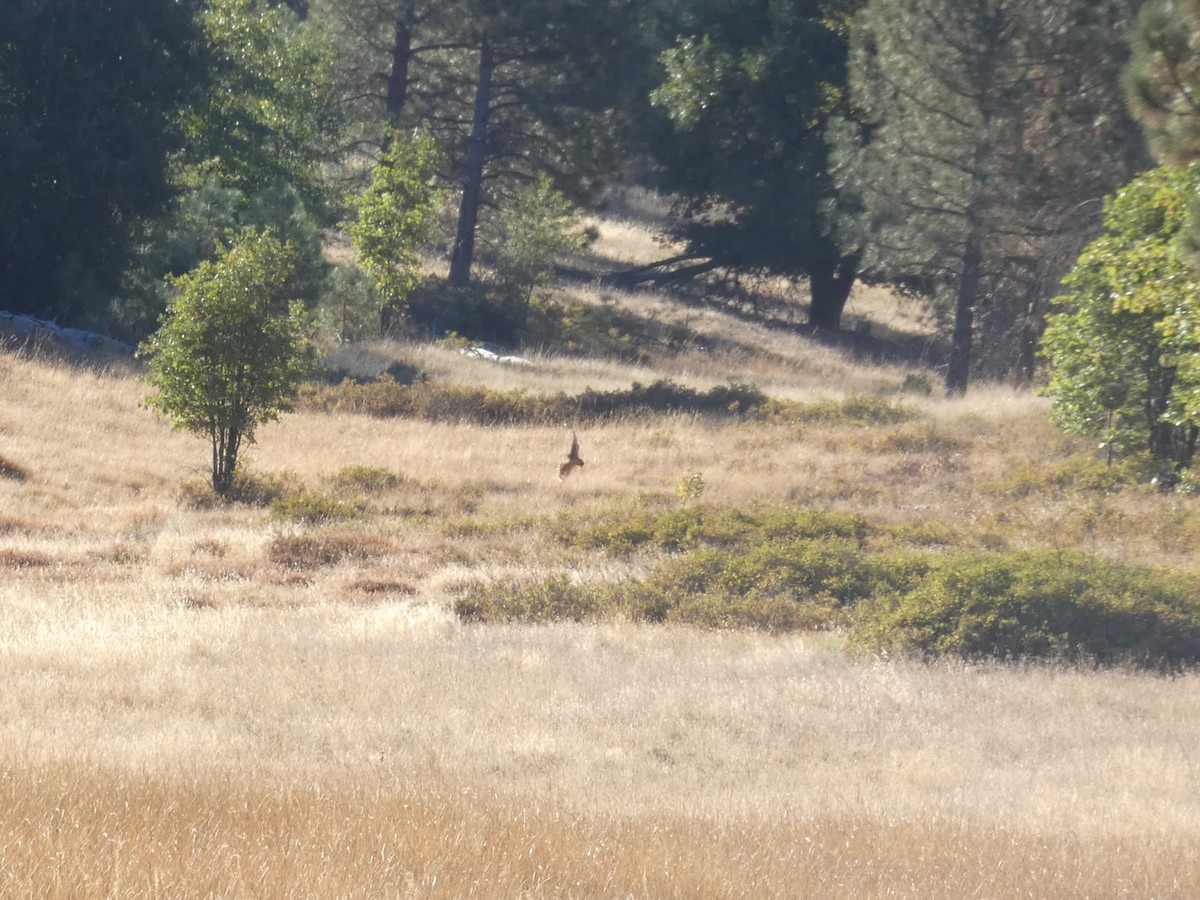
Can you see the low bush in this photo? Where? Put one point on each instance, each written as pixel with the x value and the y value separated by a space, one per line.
pixel 781 585
pixel 1038 605
pixel 1078 472
pixel 366 480
pixel 554 599
pixel 314 549
pixel 312 508
pixel 700 525
pixel 248 488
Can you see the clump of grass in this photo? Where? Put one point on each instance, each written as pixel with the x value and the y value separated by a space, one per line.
pixel 248 489
pixel 1040 605
pixel 13 558
pixel 375 588
pixel 315 549
pixel 19 525
pixel 366 479
pixel 11 470
pixel 857 409
pixel 1078 472
pixel 311 508
pixel 701 525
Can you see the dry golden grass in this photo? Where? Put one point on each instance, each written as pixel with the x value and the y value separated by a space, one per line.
pixel 194 708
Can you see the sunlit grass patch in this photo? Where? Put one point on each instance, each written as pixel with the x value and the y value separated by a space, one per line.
pixel 327 547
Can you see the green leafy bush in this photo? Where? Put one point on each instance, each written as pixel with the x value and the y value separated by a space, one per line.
pixel 385 397
pixel 554 599
pixel 232 348
pixel 1039 605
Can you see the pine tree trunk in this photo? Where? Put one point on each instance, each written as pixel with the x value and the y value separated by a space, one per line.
pixel 958 372
pixel 397 84
pixel 468 214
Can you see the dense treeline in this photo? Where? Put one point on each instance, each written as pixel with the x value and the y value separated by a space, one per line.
pixel 959 150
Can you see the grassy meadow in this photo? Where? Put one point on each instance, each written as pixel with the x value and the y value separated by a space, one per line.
pixel 277 698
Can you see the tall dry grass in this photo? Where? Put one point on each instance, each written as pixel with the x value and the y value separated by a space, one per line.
pixel 187 712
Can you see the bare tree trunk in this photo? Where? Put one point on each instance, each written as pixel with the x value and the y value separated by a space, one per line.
pixel 958 371
pixel 468 214
pixel 397 84
pixel 829 288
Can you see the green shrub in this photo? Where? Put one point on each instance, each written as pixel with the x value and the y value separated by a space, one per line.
pixel 312 508
pixel 366 479
pixel 859 410
pixel 247 488
pixel 700 525
pixel 385 397
pixel 1078 472
pixel 554 599
pixel 1039 605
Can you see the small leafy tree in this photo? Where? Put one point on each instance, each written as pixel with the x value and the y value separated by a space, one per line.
pixel 232 348
pixel 1122 347
pixel 394 215
pixel 541 224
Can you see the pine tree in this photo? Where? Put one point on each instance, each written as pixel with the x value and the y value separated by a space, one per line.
pixel 987 126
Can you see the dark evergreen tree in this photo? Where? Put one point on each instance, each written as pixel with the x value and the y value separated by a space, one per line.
pixel 1163 78
pixel 89 97
pixel 1162 82
pixel 750 89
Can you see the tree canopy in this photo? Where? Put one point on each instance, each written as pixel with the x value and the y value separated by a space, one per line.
pixel 750 87
pixel 985 125
pixel 89 99
pixel 1122 346
pixel 232 348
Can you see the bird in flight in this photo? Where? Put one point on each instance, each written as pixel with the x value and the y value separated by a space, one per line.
pixel 573 459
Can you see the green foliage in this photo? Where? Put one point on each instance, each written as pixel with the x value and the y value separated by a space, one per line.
pixel 1121 345
pixel 311 508
pixel 247 488
pixel 350 304
pixel 269 118
pixel 394 215
pixel 366 479
pixel 985 129
pixel 538 226
pixel 1078 472
pixel 385 398
pixel 749 90
pixel 231 350
pixel 89 94
pixel 554 599
pixel 690 487
pixel 190 232
pixel 699 525
pixel 481 311
pixel 1162 79
pixel 1039 605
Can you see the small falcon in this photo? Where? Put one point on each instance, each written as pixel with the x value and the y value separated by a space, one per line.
pixel 573 459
